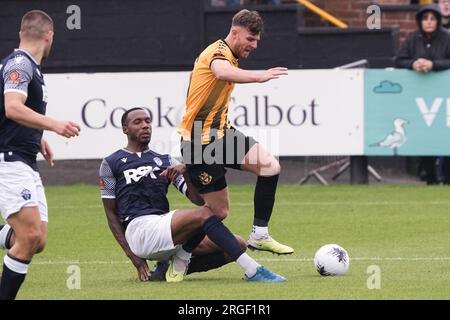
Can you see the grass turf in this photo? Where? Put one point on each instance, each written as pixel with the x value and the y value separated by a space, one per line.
pixel 404 230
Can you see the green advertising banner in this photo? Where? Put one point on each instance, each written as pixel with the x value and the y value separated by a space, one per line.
pixel 406 113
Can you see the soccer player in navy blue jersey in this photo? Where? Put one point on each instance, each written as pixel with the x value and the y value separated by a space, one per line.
pixel 22 121
pixel 134 183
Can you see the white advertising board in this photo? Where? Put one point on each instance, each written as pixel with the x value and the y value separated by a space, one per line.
pixel 308 112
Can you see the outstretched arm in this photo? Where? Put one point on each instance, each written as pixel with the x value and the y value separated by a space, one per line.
pixel 223 70
pixel 192 192
pixel 107 192
pixel 15 109
pixel 18 74
pixel 118 231
pixel 178 176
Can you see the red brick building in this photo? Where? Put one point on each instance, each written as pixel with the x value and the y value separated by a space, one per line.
pixel 394 13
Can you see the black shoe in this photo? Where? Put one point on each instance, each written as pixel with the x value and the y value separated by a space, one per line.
pixel 159 271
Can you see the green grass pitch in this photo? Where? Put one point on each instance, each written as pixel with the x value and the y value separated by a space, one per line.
pixel 402 230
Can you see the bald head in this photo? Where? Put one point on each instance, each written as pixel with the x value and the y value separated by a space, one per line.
pixel 35 25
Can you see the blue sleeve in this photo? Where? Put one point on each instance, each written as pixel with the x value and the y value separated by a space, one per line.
pixel 17 75
pixel 107 181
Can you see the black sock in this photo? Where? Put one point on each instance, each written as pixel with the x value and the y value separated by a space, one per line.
pixel 194 241
pixel 207 262
pixel 11 280
pixel 222 237
pixel 264 198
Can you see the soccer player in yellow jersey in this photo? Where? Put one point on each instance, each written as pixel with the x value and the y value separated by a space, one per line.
pixel 210 144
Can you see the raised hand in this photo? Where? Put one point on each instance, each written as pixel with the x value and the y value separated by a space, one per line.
pixel 172 172
pixel 273 73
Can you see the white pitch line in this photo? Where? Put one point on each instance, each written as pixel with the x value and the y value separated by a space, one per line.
pixel 346 203
pixel 299 204
pixel 72 262
pixel 99 262
pixel 364 259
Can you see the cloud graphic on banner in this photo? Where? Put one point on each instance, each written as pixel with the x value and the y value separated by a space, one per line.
pixel 388 87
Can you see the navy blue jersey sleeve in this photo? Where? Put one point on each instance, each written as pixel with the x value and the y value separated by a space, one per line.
pixel 17 74
pixel 107 181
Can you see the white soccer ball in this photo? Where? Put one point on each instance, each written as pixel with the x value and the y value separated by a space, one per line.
pixel 331 260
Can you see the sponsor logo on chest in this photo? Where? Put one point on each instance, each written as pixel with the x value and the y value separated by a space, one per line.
pixel 135 175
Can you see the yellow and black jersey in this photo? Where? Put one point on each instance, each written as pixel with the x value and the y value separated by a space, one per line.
pixel 208 97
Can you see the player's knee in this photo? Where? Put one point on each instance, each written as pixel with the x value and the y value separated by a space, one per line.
pixel 221 212
pixel 202 214
pixel 272 168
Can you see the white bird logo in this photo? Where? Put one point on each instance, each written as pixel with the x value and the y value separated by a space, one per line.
pixel 396 138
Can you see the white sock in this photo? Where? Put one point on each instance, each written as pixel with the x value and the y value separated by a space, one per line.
pixel 259 232
pixel 15 265
pixel 183 254
pixel 182 259
pixel 248 264
pixel 3 235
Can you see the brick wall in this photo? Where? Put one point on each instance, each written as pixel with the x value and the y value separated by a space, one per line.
pixel 405 20
pixel 394 13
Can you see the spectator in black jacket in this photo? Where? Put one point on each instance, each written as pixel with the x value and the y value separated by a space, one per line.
pixel 425 50
pixel 429 47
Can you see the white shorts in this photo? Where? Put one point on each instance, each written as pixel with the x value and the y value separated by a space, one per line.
pixel 21 186
pixel 150 237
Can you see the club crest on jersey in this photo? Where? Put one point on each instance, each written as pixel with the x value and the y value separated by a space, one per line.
pixel 158 161
pixel 13 78
pixel 26 194
pixel 135 175
pixel 205 178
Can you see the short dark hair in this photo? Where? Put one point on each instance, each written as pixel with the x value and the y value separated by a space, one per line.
pixel 35 24
pixel 251 20
pixel 124 119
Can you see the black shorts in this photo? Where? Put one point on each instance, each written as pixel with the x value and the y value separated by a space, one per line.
pixel 206 164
